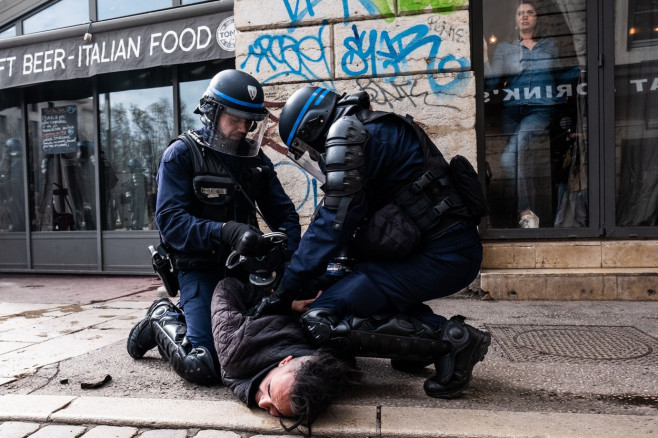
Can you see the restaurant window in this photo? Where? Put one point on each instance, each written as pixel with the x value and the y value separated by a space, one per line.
pixel 642 23
pixel 535 111
pixel 136 125
pixel 120 8
pixel 61 14
pixel 12 157
pixel 8 33
pixel 62 161
pixel 636 116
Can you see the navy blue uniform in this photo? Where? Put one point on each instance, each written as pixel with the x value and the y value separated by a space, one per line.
pixel 192 228
pixel 437 268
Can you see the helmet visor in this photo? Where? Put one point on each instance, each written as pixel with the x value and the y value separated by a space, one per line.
pixel 234 135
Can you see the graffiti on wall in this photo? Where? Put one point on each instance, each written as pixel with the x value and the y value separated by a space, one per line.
pixel 374 53
pixel 287 55
pixel 365 52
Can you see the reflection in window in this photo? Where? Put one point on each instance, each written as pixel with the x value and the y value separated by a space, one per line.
pixel 120 8
pixel 8 33
pixel 636 125
pixel 190 93
pixel 136 127
pixel 61 14
pixel 642 23
pixel 63 166
pixel 189 2
pixel 536 149
pixel 12 192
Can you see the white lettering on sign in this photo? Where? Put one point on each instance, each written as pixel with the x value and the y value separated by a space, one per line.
pixel 89 54
pixel 187 40
pixel 40 62
pixel 10 60
pixel 639 84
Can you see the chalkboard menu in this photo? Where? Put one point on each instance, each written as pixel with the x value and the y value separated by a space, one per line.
pixel 59 129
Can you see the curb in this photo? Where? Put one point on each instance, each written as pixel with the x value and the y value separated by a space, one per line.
pixel 339 420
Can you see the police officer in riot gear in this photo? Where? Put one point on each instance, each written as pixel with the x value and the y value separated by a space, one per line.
pixel 211 184
pixel 390 194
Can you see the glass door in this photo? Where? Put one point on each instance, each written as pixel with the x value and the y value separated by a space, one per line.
pixel 635 117
pixel 536 116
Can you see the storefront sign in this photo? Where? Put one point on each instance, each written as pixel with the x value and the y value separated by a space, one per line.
pixel 59 129
pixel 174 42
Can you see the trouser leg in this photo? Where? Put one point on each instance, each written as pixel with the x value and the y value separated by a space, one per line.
pixel 454 350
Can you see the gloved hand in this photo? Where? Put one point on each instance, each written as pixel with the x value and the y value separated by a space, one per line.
pixel 253 244
pixel 278 301
pixel 233 232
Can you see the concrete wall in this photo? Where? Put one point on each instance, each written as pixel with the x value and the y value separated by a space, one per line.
pixel 411 56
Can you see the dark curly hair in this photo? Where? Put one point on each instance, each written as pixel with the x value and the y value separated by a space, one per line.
pixel 320 379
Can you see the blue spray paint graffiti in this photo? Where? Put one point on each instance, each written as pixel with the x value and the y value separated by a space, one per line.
pixel 287 55
pixel 311 185
pixel 297 13
pixel 376 51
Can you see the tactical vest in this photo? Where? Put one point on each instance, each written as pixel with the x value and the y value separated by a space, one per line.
pixel 429 197
pixel 225 186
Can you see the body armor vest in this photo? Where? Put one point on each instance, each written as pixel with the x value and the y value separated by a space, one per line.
pixel 225 192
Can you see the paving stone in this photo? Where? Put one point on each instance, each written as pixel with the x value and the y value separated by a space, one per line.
pixel 111 432
pixel 219 434
pixel 165 433
pixel 59 431
pixel 17 429
pixel 31 408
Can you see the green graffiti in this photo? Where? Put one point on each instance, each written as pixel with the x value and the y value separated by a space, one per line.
pixel 420 5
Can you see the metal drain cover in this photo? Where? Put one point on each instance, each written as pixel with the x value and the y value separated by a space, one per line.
pixel 532 343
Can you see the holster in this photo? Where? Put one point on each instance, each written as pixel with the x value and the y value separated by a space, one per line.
pixel 165 268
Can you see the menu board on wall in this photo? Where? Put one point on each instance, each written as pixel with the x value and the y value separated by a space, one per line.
pixel 59 129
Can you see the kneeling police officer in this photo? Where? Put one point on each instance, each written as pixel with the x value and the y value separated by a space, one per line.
pixel 391 195
pixel 212 183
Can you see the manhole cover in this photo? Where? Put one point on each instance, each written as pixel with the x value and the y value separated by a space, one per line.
pixel 531 343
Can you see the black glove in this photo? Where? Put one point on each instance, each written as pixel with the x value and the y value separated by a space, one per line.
pixel 232 232
pixel 253 244
pixel 278 301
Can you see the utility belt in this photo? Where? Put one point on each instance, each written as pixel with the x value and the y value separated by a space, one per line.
pixel 199 262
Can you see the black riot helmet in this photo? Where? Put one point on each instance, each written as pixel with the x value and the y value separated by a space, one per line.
pixel 305 120
pixel 239 96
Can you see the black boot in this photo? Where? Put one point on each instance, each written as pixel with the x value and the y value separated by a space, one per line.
pixel 455 369
pixel 141 338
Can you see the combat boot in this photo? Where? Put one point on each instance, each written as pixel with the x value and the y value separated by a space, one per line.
pixel 141 338
pixel 455 369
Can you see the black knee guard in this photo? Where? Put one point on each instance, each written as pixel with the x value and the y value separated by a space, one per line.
pixel 193 364
pixel 395 337
pixel 454 370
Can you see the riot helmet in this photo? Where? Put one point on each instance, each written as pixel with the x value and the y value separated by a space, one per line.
pixel 305 120
pixel 233 112
pixel 14 147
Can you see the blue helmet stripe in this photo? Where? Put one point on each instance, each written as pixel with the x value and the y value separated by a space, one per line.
pixel 234 100
pixel 324 93
pixel 303 112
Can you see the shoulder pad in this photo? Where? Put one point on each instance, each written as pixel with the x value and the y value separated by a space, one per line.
pixel 347 130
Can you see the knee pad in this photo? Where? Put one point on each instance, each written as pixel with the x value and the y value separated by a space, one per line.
pixel 196 366
pixel 323 326
pixel 193 364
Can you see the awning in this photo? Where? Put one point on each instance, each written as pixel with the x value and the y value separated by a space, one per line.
pixel 207 36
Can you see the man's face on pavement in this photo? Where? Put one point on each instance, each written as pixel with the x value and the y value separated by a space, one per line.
pixel 274 391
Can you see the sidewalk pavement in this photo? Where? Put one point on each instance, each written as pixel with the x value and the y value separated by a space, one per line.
pixel 558 369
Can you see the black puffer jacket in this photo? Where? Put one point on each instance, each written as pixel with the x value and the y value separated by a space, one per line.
pixel 249 348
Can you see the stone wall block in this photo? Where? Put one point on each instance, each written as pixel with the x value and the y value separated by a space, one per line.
pixel 259 14
pixel 282 55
